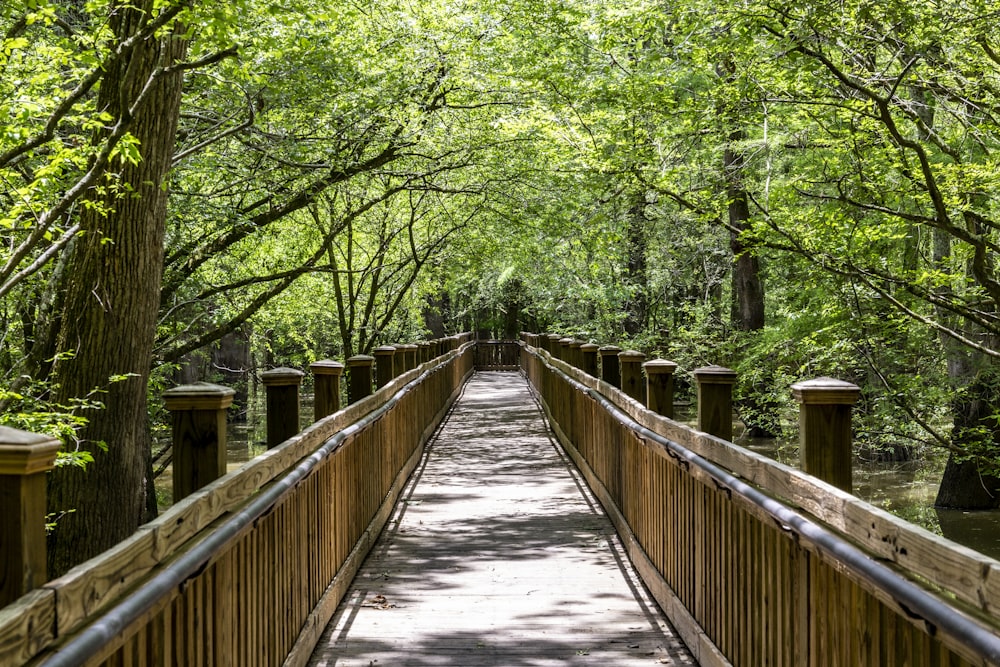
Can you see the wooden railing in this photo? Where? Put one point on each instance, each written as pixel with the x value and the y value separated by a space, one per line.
pixel 757 563
pixel 498 355
pixel 249 569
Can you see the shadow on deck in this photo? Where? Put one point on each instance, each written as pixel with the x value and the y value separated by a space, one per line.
pixel 498 554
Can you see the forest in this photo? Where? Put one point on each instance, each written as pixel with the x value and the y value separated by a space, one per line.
pixel 791 190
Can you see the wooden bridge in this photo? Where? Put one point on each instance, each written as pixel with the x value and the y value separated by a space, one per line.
pixel 494 548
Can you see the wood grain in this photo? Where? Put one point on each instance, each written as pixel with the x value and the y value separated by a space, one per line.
pixel 497 556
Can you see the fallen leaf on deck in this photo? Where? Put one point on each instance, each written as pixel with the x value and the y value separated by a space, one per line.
pixel 378 602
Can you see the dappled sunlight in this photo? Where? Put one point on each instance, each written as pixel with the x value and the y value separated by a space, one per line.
pixel 496 555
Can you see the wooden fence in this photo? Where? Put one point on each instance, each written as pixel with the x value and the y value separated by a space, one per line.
pixel 248 570
pixel 757 563
pixel 498 355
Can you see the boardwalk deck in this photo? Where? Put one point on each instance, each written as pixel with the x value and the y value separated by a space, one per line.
pixel 497 555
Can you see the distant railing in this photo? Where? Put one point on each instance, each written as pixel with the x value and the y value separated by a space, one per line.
pixel 248 569
pixel 498 355
pixel 754 562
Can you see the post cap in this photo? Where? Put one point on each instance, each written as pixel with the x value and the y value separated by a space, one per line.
pixel 590 347
pixel 384 350
pixel 576 343
pixel 826 391
pixel 326 367
pixel 659 367
pixel 23 453
pixel 198 396
pixel 609 350
pixel 282 376
pixel 631 356
pixel 360 360
pixel 715 375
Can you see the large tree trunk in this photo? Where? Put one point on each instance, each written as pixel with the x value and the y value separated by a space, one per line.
pixel 963 486
pixel 111 301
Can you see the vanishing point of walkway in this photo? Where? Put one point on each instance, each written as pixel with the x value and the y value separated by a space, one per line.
pixel 497 555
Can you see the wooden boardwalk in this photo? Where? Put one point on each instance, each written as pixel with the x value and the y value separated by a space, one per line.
pixel 497 555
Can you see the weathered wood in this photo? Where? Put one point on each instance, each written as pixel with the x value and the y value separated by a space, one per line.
pixel 715 400
pixel 198 414
pixel 825 436
pixel 385 364
pixel 742 581
pixel 24 460
pixel 359 370
pixel 630 366
pixel 610 368
pixel 494 557
pixel 27 626
pixel 97 584
pixel 660 386
pixel 282 387
pixel 326 387
pixel 588 355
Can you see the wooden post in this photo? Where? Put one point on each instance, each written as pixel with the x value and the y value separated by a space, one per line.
pixel 359 368
pixel 385 365
pixel 575 357
pixel 715 400
pixel 660 386
pixel 562 349
pixel 825 428
pixel 423 352
pixel 610 370
pixel 553 346
pixel 410 355
pixel 198 413
pixel 588 355
pixel 24 460
pixel 326 380
pixel 282 388
pixel 633 384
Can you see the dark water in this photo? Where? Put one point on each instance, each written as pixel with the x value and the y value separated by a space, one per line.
pixel 906 489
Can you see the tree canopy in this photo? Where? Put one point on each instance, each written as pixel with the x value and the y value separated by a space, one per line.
pixel 790 189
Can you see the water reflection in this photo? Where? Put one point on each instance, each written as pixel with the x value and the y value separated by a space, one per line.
pixel 906 489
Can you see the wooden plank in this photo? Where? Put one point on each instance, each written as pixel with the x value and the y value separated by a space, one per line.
pixel 963 572
pixel 497 556
pixel 27 626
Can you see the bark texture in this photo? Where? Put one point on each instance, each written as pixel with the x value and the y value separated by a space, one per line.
pixel 111 300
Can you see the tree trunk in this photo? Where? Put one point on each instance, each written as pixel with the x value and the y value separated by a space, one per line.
pixel 963 486
pixel 110 311
pixel 636 278
pixel 748 289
